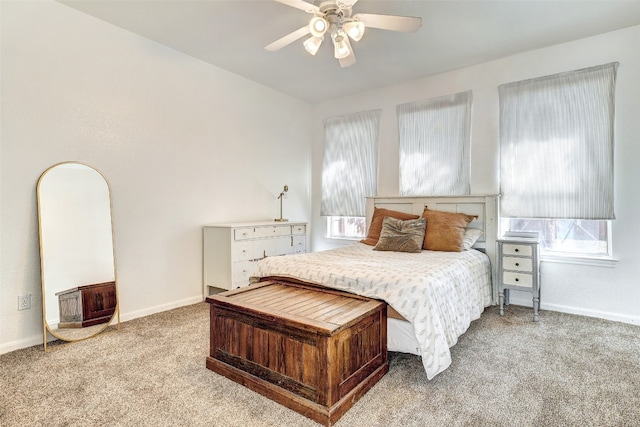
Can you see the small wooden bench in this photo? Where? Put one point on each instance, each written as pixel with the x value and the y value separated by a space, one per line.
pixel 314 350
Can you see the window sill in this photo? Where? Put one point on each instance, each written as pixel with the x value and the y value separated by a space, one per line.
pixel 592 261
pixel 345 239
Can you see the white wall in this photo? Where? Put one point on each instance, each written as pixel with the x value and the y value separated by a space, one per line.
pixel 181 142
pixel 606 292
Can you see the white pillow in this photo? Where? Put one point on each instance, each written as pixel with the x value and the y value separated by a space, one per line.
pixel 471 235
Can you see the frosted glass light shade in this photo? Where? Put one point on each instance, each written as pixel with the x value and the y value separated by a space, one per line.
pixel 341 47
pixel 354 29
pixel 312 44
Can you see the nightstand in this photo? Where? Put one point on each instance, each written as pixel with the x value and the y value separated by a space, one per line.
pixel 518 268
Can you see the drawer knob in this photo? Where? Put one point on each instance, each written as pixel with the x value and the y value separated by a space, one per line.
pixel 517 250
pixel 517 264
pixel 517 280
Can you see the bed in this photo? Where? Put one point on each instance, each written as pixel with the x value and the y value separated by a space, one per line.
pixel 433 296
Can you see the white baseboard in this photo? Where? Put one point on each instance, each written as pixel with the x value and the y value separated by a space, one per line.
pixel 22 343
pixel 616 317
pixel 124 317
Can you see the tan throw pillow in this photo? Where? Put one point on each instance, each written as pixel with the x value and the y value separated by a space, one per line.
pixel 379 215
pixel 445 230
pixel 401 236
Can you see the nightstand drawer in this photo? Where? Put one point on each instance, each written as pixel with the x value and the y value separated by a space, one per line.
pixel 517 264
pixel 511 249
pixel 517 279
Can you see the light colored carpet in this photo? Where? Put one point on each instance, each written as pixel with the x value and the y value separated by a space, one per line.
pixel 565 370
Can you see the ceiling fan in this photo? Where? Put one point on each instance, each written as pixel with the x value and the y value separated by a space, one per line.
pixel 334 18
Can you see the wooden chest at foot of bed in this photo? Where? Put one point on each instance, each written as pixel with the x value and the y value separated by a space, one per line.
pixel 316 351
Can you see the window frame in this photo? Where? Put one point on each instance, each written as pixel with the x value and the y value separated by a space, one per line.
pixel 583 258
pixel 329 234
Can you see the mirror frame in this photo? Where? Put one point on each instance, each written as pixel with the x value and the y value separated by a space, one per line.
pixel 46 327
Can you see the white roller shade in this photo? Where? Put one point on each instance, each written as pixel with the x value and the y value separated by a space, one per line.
pixel 350 165
pixel 556 145
pixel 435 139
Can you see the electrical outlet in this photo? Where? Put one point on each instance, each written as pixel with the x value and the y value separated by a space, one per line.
pixel 24 302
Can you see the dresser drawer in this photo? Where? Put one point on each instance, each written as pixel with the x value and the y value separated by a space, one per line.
pixel 512 249
pixel 298 229
pixel 276 230
pixel 299 244
pixel 243 233
pixel 517 264
pixel 242 250
pixel 272 247
pixel 517 279
pixel 242 271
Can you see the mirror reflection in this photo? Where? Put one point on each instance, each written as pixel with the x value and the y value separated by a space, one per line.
pixel 79 287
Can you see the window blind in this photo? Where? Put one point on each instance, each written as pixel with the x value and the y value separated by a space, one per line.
pixel 435 139
pixel 350 166
pixel 556 145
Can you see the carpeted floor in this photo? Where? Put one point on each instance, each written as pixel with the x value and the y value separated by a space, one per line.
pixel 565 370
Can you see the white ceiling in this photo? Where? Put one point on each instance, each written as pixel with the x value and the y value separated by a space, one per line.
pixel 232 35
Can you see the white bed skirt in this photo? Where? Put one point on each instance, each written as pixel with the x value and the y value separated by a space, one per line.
pixel 401 337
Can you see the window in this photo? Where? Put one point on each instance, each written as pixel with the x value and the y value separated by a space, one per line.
pixel 434 146
pixel 346 227
pixel 566 237
pixel 556 159
pixel 349 172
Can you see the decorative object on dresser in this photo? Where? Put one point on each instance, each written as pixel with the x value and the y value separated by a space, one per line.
pixel 281 197
pixel 519 267
pixel 231 250
pixel 314 350
pixel 77 252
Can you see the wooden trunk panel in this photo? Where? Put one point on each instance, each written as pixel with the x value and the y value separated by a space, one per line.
pixel 315 351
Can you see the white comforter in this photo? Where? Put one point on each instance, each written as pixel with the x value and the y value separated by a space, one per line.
pixel 440 293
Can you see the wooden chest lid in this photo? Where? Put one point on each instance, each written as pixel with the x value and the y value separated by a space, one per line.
pixel 323 310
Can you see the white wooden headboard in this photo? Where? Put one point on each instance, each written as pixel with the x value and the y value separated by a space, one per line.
pixel 484 206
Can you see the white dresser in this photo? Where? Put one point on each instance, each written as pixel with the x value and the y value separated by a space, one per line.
pixel 518 269
pixel 231 251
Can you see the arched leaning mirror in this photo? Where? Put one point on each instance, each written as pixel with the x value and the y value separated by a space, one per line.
pixel 77 256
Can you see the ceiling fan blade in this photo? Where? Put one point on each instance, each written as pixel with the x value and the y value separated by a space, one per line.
pixel 302 5
pixel 348 61
pixel 289 38
pixel 407 24
pixel 346 4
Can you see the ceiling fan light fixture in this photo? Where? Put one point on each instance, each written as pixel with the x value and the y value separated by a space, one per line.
pixel 318 26
pixel 355 29
pixel 340 44
pixel 345 4
pixel 312 44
